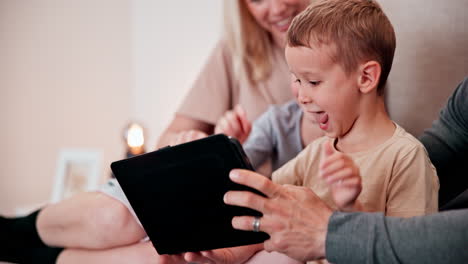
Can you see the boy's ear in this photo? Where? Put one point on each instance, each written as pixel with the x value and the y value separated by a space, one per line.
pixel 369 76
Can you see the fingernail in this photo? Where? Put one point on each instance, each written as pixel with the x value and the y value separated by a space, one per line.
pixel 234 175
pixel 225 198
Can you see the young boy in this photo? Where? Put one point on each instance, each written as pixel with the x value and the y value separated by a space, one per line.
pixel 340 54
pixel 340 63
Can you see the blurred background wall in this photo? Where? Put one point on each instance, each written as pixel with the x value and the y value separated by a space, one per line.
pixel 74 73
pixel 431 58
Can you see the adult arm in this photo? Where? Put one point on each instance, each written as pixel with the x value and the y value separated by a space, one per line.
pixel 374 238
pixel 447 144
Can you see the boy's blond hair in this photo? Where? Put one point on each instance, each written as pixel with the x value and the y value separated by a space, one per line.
pixel 358 30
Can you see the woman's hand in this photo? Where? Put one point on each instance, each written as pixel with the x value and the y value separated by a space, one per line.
pixel 294 217
pixel 343 176
pixel 183 129
pixel 234 123
pixel 186 136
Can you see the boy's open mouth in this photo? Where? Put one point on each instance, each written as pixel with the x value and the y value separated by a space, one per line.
pixel 322 119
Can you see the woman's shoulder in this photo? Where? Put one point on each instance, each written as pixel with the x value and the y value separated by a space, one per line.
pixel 222 49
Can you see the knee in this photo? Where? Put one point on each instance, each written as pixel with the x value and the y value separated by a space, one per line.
pixel 104 212
pixel 110 223
pixel 88 220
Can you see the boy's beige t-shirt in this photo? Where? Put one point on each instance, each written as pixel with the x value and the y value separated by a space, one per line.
pixel 218 88
pixel 397 176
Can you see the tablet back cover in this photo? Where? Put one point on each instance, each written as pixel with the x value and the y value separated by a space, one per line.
pixel 177 193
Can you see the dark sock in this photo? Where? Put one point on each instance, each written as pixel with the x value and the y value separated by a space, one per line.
pixel 20 241
pixel 42 255
pixel 20 231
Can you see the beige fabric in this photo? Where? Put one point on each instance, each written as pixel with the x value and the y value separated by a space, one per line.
pixel 217 88
pixel 397 176
pixel 431 58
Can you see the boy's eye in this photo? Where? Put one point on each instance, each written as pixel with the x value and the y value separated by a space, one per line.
pixel 255 1
pixel 297 81
pixel 314 83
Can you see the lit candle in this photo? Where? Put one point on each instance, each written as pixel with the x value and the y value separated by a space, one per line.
pixel 135 140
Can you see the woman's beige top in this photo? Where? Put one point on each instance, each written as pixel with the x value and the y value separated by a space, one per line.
pixel 218 89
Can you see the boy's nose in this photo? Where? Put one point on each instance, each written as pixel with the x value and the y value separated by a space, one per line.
pixel 304 100
pixel 302 97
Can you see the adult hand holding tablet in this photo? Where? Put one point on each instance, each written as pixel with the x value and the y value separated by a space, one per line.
pixel 294 216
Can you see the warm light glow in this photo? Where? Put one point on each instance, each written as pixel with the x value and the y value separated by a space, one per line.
pixel 135 136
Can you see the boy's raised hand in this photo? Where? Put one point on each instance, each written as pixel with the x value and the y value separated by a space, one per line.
pixel 234 123
pixel 343 176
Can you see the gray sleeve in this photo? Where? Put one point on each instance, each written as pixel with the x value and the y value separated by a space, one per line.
pixel 260 143
pixel 374 238
pixel 447 144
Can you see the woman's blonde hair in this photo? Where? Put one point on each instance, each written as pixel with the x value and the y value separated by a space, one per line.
pixel 251 45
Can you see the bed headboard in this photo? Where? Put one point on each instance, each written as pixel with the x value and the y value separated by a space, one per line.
pixel 431 58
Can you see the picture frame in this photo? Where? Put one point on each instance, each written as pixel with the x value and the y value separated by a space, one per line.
pixel 78 170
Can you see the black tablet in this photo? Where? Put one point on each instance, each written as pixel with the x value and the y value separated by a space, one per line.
pixel 177 193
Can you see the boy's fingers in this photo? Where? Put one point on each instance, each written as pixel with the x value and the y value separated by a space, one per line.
pixel 340 180
pixel 327 161
pixel 331 168
pixel 349 182
pixel 340 175
pixel 327 148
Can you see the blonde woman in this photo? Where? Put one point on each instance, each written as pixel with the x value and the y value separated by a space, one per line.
pixel 247 68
